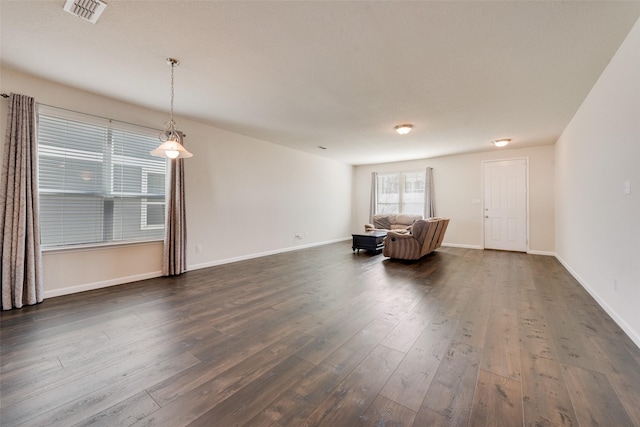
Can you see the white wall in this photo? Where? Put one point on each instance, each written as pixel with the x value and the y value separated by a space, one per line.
pixel 245 197
pixel 248 197
pixel 597 225
pixel 458 180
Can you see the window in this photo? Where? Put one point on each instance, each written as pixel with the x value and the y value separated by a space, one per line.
pixel 98 184
pixel 152 208
pixel 400 192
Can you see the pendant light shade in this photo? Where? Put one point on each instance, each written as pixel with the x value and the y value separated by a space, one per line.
pixel 171 149
pixel 171 138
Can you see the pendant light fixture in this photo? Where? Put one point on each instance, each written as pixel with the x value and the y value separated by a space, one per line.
pixel 171 137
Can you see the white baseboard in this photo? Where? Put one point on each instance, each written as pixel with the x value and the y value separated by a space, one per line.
pixel 458 245
pixel 634 335
pixel 98 285
pixel 532 252
pixel 128 279
pixel 261 254
pixel 546 253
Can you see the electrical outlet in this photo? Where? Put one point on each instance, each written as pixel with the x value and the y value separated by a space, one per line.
pixel 198 249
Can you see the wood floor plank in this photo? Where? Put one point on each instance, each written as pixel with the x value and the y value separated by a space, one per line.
pixel 512 278
pixel 16 357
pixel 245 403
pixel 140 338
pixel 351 399
pixel 411 326
pixel 501 348
pixel 403 304
pixel 409 383
pixel 295 404
pixel 95 370
pixel 81 383
pixel 224 372
pixel 572 345
pixel 622 371
pixel 124 413
pixel 453 302
pixel 449 398
pixel 229 390
pixel 342 311
pixel 86 404
pixel 386 413
pixel 474 320
pixel 594 399
pixel 594 321
pixel 546 400
pixel 337 333
pixel 17 380
pixel 251 340
pixel 94 308
pixel 280 340
pixel 497 402
pixel 261 310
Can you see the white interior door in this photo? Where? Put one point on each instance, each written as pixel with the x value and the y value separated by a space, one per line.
pixel 505 205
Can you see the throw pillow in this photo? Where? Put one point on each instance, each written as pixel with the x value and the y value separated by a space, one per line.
pixel 382 222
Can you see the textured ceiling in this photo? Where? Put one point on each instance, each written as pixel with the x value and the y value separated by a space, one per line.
pixel 337 74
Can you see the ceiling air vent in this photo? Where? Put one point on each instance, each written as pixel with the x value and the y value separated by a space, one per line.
pixel 89 10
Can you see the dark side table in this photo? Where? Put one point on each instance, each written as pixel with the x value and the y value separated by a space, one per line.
pixel 370 240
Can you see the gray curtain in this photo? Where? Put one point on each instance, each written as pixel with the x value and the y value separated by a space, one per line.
pixel 174 254
pixel 19 232
pixel 374 196
pixel 429 200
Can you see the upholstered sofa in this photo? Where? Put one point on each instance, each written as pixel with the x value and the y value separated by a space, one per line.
pixel 425 237
pixel 392 222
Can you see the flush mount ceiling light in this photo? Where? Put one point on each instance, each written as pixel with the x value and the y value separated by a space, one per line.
pixel 403 129
pixel 171 137
pixel 502 142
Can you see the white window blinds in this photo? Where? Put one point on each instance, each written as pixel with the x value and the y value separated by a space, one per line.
pixel 98 184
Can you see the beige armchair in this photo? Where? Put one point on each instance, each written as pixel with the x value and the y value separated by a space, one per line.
pixel 426 236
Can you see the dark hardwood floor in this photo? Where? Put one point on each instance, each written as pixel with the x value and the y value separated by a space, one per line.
pixel 323 336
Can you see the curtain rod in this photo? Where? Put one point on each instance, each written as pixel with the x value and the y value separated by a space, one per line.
pixel 99 117
pixel 4 95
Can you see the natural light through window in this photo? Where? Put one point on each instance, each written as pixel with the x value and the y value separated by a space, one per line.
pixel 98 184
pixel 400 192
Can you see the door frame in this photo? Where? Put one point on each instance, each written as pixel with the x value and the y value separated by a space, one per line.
pixel 526 177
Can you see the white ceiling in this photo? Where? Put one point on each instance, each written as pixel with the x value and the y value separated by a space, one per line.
pixel 338 74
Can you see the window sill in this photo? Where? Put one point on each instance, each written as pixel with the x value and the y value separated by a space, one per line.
pixel 98 246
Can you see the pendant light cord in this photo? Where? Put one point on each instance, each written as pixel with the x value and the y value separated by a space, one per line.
pixel 173 65
pixel 171 138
